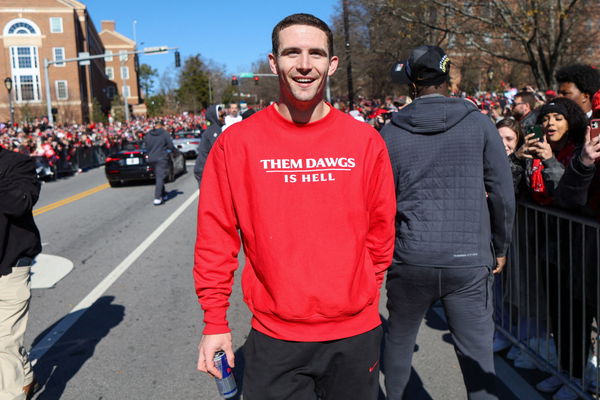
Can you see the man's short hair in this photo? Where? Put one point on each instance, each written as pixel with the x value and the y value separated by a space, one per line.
pixel 301 19
pixel 527 97
pixel 586 78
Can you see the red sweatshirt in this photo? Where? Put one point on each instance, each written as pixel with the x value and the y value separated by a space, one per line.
pixel 315 204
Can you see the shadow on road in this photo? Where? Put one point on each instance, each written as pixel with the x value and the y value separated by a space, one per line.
pixel 171 194
pixel 62 362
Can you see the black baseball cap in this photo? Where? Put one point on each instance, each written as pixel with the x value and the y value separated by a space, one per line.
pixel 426 66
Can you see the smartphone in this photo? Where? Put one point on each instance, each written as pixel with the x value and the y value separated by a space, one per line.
pixel 594 128
pixel 537 132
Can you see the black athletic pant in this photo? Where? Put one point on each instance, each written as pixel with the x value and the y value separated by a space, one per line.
pixel 466 294
pixel 344 369
pixel 160 172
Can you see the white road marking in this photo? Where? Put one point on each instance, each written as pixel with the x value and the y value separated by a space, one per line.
pixel 63 326
pixel 48 270
pixel 515 382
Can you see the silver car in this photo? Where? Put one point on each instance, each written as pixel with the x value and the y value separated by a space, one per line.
pixel 187 143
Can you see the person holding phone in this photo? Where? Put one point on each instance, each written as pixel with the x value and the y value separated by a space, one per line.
pixel 544 161
pixel 548 149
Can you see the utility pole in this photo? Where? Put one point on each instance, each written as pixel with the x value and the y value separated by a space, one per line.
pixel 348 55
pixel 134 32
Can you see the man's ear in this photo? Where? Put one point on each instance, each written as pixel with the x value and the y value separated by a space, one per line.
pixel 586 98
pixel 333 65
pixel 273 63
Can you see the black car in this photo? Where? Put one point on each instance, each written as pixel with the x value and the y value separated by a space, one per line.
pixel 131 164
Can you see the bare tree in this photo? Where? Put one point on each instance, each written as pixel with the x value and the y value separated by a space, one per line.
pixel 539 34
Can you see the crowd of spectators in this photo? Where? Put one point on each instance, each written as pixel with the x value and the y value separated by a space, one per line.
pixel 62 147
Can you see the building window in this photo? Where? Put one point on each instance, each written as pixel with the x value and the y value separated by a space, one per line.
pixel 126 92
pixel 62 92
pixel 108 55
pixel 110 73
pixel 56 25
pixel 124 72
pixel 25 58
pixel 26 73
pixel 122 55
pixel 111 92
pixel 59 54
pixel 21 27
pixel 27 87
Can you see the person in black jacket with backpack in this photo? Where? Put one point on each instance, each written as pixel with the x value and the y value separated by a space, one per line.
pixel 455 210
pixel 19 245
pixel 158 144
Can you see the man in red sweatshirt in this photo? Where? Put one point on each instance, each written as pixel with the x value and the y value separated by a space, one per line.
pixel 311 191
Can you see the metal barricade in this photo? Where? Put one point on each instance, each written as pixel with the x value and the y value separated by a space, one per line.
pixel 547 300
pixel 69 160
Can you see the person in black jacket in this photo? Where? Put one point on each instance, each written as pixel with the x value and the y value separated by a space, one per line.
pixel 158 144
pixel 19 245
pixel 215 114
pixel 455 212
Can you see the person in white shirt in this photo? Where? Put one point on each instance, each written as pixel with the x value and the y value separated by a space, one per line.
pixel 233 115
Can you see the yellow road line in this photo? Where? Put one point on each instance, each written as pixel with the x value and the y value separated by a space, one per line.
pixel 68 200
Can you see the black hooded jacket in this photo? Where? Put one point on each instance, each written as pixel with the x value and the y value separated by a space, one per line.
pixel 19 191
pixel 209 137
pixel 454 189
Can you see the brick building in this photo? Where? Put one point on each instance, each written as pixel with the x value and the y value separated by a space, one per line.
pixel 34 30
pixel 121 69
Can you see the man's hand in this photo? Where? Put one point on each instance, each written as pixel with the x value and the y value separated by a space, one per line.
pixel 207 348
pixel 591 150
pixel 500 263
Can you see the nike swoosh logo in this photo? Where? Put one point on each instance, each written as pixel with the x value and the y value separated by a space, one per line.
pixel 371 369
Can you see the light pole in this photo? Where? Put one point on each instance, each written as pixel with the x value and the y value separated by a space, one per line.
pixel 8 83
pixel 125 95
pixel 134 32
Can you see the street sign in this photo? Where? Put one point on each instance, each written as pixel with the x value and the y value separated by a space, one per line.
pixel 155 50
pixel 84 54
pixel 246 75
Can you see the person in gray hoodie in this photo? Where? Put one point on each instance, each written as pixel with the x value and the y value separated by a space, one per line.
pixel 215 114
pixel 158 144
pixel 455 212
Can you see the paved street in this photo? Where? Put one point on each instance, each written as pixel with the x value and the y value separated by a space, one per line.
pixel 138 340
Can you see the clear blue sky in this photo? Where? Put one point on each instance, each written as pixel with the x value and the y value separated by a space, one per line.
pixel 234 33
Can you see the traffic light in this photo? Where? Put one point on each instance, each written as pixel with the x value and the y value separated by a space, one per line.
pixel 255 80
pixel 234 80
pixel 177 60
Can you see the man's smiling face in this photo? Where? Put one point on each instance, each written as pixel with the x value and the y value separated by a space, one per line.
pixel 303 65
